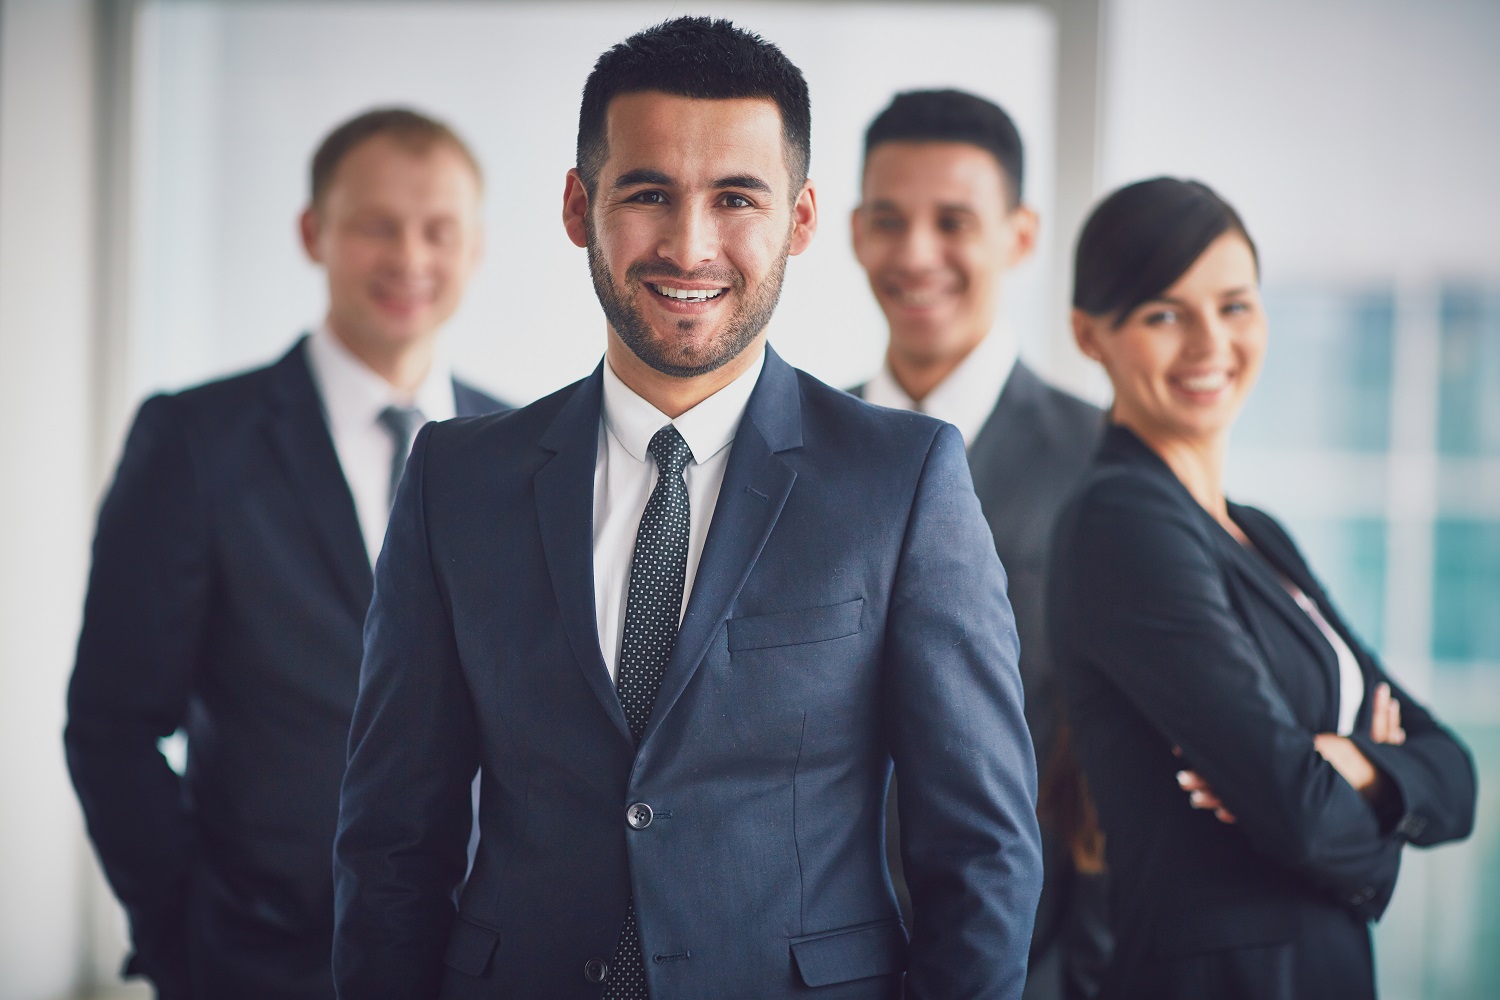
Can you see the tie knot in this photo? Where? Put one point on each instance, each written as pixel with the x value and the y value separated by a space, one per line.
pixel 401 421
pixel 670 450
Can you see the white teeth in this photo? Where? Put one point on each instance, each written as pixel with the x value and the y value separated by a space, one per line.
pixel 688 294
pixel 1205 383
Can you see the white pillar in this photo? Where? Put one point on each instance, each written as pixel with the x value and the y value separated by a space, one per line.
pixel 47 251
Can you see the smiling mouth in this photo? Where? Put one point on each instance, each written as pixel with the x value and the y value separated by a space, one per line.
pixel 1211 382
pixel 917 299
pixel 687 294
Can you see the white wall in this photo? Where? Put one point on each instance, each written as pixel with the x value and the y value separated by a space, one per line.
pixel 1360 139
pixel 235 97
pixel 46 253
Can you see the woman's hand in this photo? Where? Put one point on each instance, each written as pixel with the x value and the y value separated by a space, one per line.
pixel 1346 758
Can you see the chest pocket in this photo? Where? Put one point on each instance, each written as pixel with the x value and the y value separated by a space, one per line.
pixel 796 628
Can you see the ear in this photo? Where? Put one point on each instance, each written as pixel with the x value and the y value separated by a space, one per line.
pixel 576 209
pixel 804 219
pixel 1086 334
pixel 1024 227
pixel 857 230
pixel 309 227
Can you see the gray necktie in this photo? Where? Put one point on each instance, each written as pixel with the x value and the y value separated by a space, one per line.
pixel 653 607
pixel 402 423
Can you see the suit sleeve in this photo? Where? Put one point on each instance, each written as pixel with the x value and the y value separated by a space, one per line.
pixel 143 626
pixel 1432 773
pixel 963 755
pixel 1155 617
pixel 405 807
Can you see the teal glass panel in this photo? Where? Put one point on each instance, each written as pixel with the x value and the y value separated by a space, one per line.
pixel 1469 396
pixel 1327 376
pixel 1466 591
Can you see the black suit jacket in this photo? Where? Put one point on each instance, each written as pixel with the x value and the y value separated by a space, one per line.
pixel 1168 632
pixel 1030 453
pixel 229 587
pixel 848 611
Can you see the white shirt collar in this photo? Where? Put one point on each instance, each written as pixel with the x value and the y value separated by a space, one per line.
pixel 355 394
pixel 708 428
pixel 967 397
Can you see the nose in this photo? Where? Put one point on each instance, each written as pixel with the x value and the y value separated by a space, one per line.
pixel 691 238
pixel 1207 335
pixel 918 249
pixel 409 250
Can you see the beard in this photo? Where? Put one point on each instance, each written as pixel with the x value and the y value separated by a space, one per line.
pixel 684 356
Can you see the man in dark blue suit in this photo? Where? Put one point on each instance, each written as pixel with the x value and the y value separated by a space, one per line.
pixel 232 574
pixel 684 615
pixel 940 225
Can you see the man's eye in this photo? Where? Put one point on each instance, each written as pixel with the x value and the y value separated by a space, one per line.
pixel 737 201
pixel 649 198
pixel 952 224
pixel 886 224
pixel 375 228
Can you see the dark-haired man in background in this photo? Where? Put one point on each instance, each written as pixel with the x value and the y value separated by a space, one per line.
pixel 939 225
pixel 683 615
pixel 232 574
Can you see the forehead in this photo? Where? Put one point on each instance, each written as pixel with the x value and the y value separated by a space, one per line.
pixel 948 172
pixel 693 139
pixel 381 169
pixel 1226 263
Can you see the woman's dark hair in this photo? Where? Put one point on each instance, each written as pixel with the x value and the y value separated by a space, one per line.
pixel 1142 238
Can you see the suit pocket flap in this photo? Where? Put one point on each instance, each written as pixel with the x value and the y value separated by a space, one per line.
pixel 1222 928
pixel 791 628
pixel 877 949
pixel 470 947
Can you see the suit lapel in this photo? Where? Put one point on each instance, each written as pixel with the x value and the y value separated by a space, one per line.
pixel 1003 450
pixel 755 489
pixel 1259 571
pixel 299 435
pixel 565 514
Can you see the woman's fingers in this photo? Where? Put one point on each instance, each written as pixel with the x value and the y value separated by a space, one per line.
pixel 1201 795
pixel 1380 716
pixel 1394 733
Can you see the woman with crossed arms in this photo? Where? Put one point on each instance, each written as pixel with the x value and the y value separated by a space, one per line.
pixel 1256 772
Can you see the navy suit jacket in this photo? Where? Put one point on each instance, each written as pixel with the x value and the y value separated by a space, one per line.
pixel 1168 632
pixel 848 610
pixel 1028 455
pixel 229 587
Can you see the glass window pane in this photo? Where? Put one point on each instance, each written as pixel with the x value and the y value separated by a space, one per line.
pixel 1327 376
pixel 1469 398
pixel 1466 591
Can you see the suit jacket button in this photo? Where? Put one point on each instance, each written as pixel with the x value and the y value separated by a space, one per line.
pixel 638 815
pixel 595 971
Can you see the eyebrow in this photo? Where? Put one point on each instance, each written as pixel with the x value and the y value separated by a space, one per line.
pixel 886 205
pixel 646 176
pixel 1181 303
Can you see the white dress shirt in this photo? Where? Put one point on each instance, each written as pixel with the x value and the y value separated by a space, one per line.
pixel 353 396
pixel 1351 681
pixel 967 397
pixel 625 474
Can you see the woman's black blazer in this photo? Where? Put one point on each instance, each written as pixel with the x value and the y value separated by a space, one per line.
pixel 1169 633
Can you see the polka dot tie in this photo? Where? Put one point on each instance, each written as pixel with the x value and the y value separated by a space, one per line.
pixel 653 607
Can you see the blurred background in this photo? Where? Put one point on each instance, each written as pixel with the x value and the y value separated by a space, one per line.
pixel 153 159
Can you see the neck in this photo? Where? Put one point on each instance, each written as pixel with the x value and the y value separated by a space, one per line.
pixel 919 375
pixel 1198 463
pixel 404 366
pixel 672 395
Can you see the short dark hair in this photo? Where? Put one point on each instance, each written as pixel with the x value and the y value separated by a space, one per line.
pixel 953 116
pixel 1142 238
pixel 702 58
pixel 412 130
